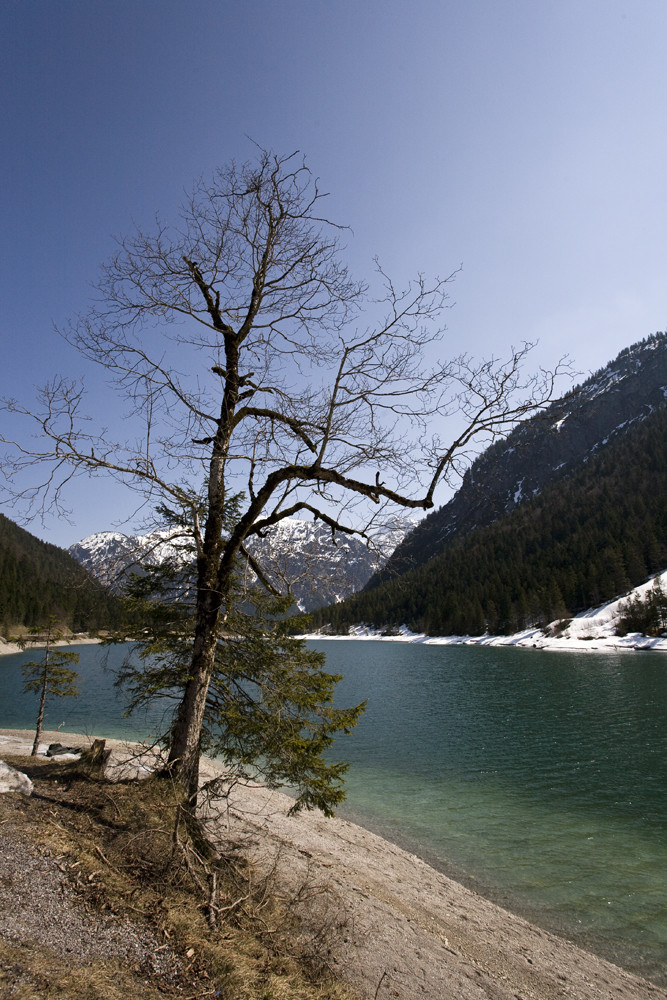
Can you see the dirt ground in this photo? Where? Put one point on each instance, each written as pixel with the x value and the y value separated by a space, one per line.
pixel 387 923
pixel 400 929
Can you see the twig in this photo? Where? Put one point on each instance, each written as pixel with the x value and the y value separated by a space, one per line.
pixel 223 909
pixel 183 848
pixel 57 826
pixel 106 860
pixel 113 803
pixel 382 979
pixel 212 908
pixel 195 878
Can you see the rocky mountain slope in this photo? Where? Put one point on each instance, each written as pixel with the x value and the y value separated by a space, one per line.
pixel 298 552
pixel 543 450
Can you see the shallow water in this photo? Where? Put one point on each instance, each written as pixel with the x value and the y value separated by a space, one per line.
pixel 536 777
pixel 99 708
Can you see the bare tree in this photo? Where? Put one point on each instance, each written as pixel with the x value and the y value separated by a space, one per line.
pixel 260 370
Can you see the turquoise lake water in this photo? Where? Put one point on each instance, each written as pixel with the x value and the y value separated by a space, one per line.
pixel 539 778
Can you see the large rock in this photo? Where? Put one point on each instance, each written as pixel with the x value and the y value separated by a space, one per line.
pixel 12 780
pixel 58 750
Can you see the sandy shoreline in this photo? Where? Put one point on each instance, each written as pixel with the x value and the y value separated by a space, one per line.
pixel 7 648
pixel 528 639
pixel 394 927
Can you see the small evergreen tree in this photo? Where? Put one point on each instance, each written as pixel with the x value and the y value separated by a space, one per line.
pixel 269 708
pixel 647 614
pixel 51 676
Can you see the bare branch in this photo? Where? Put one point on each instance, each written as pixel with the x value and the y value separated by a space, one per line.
pixel 253 366
pixel 258 571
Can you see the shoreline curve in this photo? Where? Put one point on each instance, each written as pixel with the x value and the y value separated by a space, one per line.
pixel 396 927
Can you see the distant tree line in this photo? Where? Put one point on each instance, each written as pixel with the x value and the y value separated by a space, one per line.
pixel 39 581
pixel 583 541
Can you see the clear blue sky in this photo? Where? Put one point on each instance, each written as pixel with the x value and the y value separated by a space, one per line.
pixel 525 140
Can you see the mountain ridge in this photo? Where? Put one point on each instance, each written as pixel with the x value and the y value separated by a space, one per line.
pixel 319 571
pixel 38 579
pixel 542 450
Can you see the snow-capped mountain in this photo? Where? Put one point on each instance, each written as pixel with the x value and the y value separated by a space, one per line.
pixel 319 571
pixel 299 553
pixel 110 556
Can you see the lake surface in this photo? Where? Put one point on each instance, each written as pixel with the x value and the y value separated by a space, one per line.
pixel 536 777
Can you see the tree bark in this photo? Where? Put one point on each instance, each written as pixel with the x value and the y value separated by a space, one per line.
pixel 185 749
pixel 185 746
pixel 40 716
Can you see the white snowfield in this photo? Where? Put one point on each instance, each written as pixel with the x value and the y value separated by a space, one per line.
pixel 591 630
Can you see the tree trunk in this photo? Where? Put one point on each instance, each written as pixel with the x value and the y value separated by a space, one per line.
pixel 186 734
pixel 212 589
pixel 40 716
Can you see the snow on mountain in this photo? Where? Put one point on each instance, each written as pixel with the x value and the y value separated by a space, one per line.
pixel 301 554
pixel 111 556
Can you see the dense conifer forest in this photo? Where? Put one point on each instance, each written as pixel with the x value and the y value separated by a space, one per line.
pixel 38 580
pixel 582 541
pixel 547 448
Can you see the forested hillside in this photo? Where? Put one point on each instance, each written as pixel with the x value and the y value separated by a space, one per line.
pixel 38 580
pixel 582 541
pixel 541 451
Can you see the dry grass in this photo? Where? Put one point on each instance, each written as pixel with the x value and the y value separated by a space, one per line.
pixel 128 852
pixel 28 972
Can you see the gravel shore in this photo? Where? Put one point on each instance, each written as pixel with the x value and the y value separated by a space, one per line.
pixel 383 920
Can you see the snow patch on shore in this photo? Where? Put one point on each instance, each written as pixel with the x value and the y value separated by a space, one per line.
pixel 591 630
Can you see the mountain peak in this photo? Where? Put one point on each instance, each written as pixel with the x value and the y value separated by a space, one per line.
pixel 301 552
